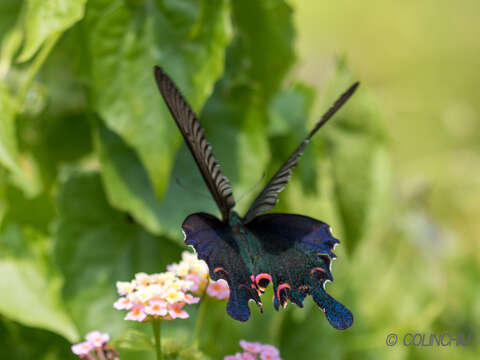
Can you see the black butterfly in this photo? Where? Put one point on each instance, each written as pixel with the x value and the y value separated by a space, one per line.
pixel 293 252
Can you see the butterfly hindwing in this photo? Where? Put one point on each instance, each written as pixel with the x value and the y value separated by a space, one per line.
pixel 214 243
pixel 297 253
pixel 292 252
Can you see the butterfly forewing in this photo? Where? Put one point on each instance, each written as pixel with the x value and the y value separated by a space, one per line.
pixel 201 150
pixel 268 197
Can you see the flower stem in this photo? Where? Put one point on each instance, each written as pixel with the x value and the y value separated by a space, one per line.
pixel 202 311
pixel 156 324
pixel 100 354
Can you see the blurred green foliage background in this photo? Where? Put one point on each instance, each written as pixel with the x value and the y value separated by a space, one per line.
pixel 91 163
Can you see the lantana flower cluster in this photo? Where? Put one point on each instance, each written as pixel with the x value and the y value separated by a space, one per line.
pixel 164 295
pixel 154 296
pixel 95 347
pixel 255 351
pixel 195 270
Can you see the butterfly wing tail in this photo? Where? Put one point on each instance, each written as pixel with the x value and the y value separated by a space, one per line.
pixel 337 314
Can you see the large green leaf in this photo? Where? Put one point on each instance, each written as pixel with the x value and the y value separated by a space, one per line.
pixel 97 246
pixel 30 289
pixel 237 115
pixel 44 18
pixel 129 188
pixel 58 131
pixel 267 34
pixel 126 41
pixel 20 343
pixel 234 118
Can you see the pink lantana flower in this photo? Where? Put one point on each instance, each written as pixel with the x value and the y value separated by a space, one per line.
pixel 123 303
pixel 137 313
pixel 247 356
pixel 176 311
pixel 191 269
pixel 83 348
pixel 97 339
pixel 255 351
pixel 156 308
pixel 124 287
pixel 190 299
pixel 218 289
pixel 196 282
pixel 251 347
pixel 269 352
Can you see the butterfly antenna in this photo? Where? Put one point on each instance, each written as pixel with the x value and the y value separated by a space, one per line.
pixel 179 183
pixel 259 181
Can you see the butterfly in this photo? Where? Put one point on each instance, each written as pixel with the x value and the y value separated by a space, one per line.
pixel 293 252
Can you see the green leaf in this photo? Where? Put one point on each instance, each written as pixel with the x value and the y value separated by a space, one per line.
pixel 267 36
pixel 9 12
pixel 56 131
pixel 129 188
pixel 22 168
pixel 9 46
pixel 356 144
pixel 97 246
pixel 55 139
pixel 8 140
pixel 126 42
pixel 20 342
pixel 235 123
pixel 30 286
pixel 44 18
pixel 37 212
pixel 289 113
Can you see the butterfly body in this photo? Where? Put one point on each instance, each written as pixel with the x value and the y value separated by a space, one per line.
pixel 292 252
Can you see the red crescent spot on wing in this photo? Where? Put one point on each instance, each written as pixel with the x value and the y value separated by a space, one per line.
pixel 252 278
pixel 281 287
pixel 262 276
pixel 220 269
pixel 316 269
